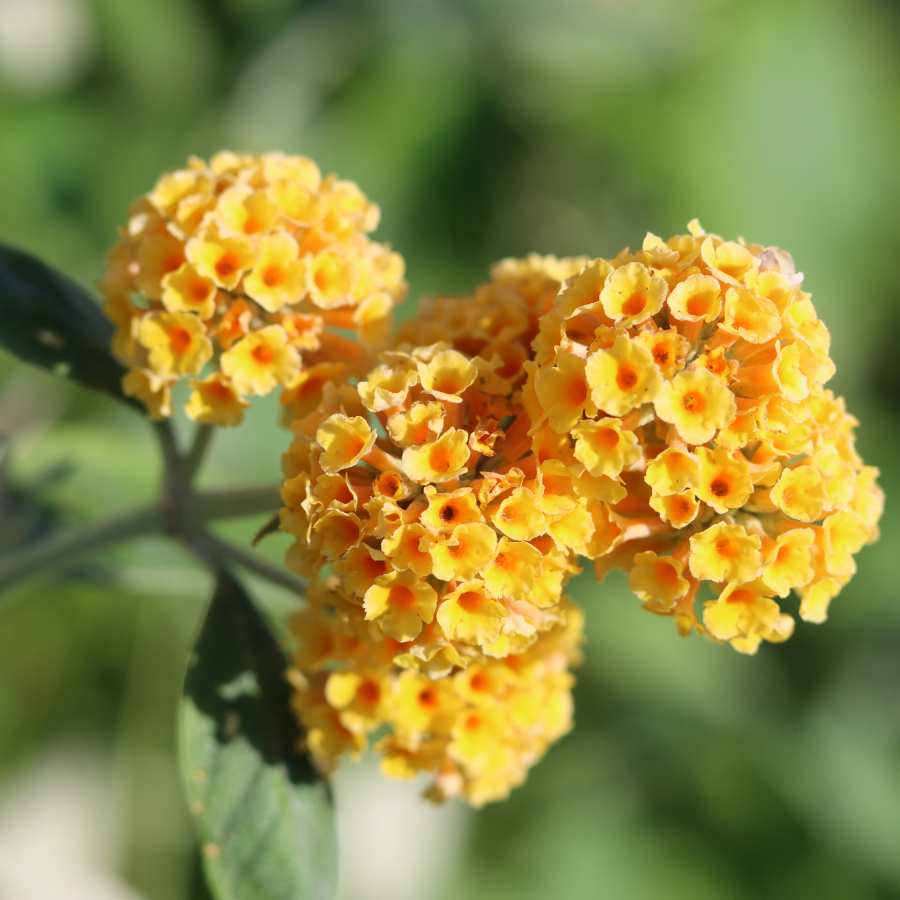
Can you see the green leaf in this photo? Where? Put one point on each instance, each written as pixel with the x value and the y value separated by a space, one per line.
pixel 48 320
pixel 264 816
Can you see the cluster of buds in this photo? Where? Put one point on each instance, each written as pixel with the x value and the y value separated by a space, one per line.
pixel 690 373
pixel 244 271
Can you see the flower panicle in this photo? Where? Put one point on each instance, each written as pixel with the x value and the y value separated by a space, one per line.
pixel 240 274
pixel 692 373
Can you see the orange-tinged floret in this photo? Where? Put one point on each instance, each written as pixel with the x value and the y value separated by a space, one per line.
pixel 176 344
pixel 725 552
pixel 344 441
pixel 672 471
pixel 697 404
pixel 632 294
pixel 658 579
pixel 438 461
pixel 215 401
pixel 789 563
pixel 401 603
pixel 724 479
pixel 471 615
pixel 564 393
pixel 622 377
pixel 603 448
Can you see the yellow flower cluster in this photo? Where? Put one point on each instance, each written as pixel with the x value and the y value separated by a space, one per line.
pixel 448 545
pixel 662 412
pixel 241 274
pixel 690 375
pixel 477 731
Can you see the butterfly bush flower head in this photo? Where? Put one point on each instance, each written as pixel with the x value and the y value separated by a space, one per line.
pixel 662 412
pixel 243 275
pixel 440 542
pixel 690 377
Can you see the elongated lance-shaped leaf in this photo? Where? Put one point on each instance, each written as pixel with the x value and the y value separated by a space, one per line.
pixel 48 320
pixel 264 816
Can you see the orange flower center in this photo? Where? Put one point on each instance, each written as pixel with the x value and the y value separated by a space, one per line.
pixel 578 391
pixel 198 291
pixel 273 275
pixel 720 486
pixel 634 305
pixel 607 438
pixel 227 264
pixel 180 340
pixel 470 601
pixel 428 698
pixel 697 306
pixel 369 693
pixel 401 597
pixel 692 402
pixel 439 460
pixel 263 354
pixel 626 377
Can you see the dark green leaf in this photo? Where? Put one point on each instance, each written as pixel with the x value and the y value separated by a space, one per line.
pixel 264 816
pixel 48 320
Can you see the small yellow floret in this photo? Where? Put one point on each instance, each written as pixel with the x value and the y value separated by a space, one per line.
pixel 462 554
pixel 603 448
pixel 725 553
pixel 658 579
pixel 421 423
pixel 678 509
pixel 697 404
pixel 447 375
pixel 622 377
pixel 470 615
pixel 261 361
pixel 632 295
pixel 214 401
pixel 724 479
pixel 845 535
pixel 743 610
pixel 176 342
pixel 564 394
pixel 185 290
pixel 221 260
pixel 344 441
pixel 519 516
pixel 696 299
pixel 789 563
pixel 673 471
pixel 439 460
pixel 279 276
pixel 800 493
pixel 409 547
pixel 513 570
pixel 401 602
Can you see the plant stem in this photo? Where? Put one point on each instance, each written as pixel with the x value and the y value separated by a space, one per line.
pixel 61 548
pixel 249 501
pixel 194 458
pixel 216 553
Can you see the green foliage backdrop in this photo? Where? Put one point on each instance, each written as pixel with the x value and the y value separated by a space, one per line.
pixel 488 128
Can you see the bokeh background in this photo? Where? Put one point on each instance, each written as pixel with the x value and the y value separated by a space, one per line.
pixel 483 128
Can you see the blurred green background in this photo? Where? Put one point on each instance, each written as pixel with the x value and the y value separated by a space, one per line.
pixel 483 128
